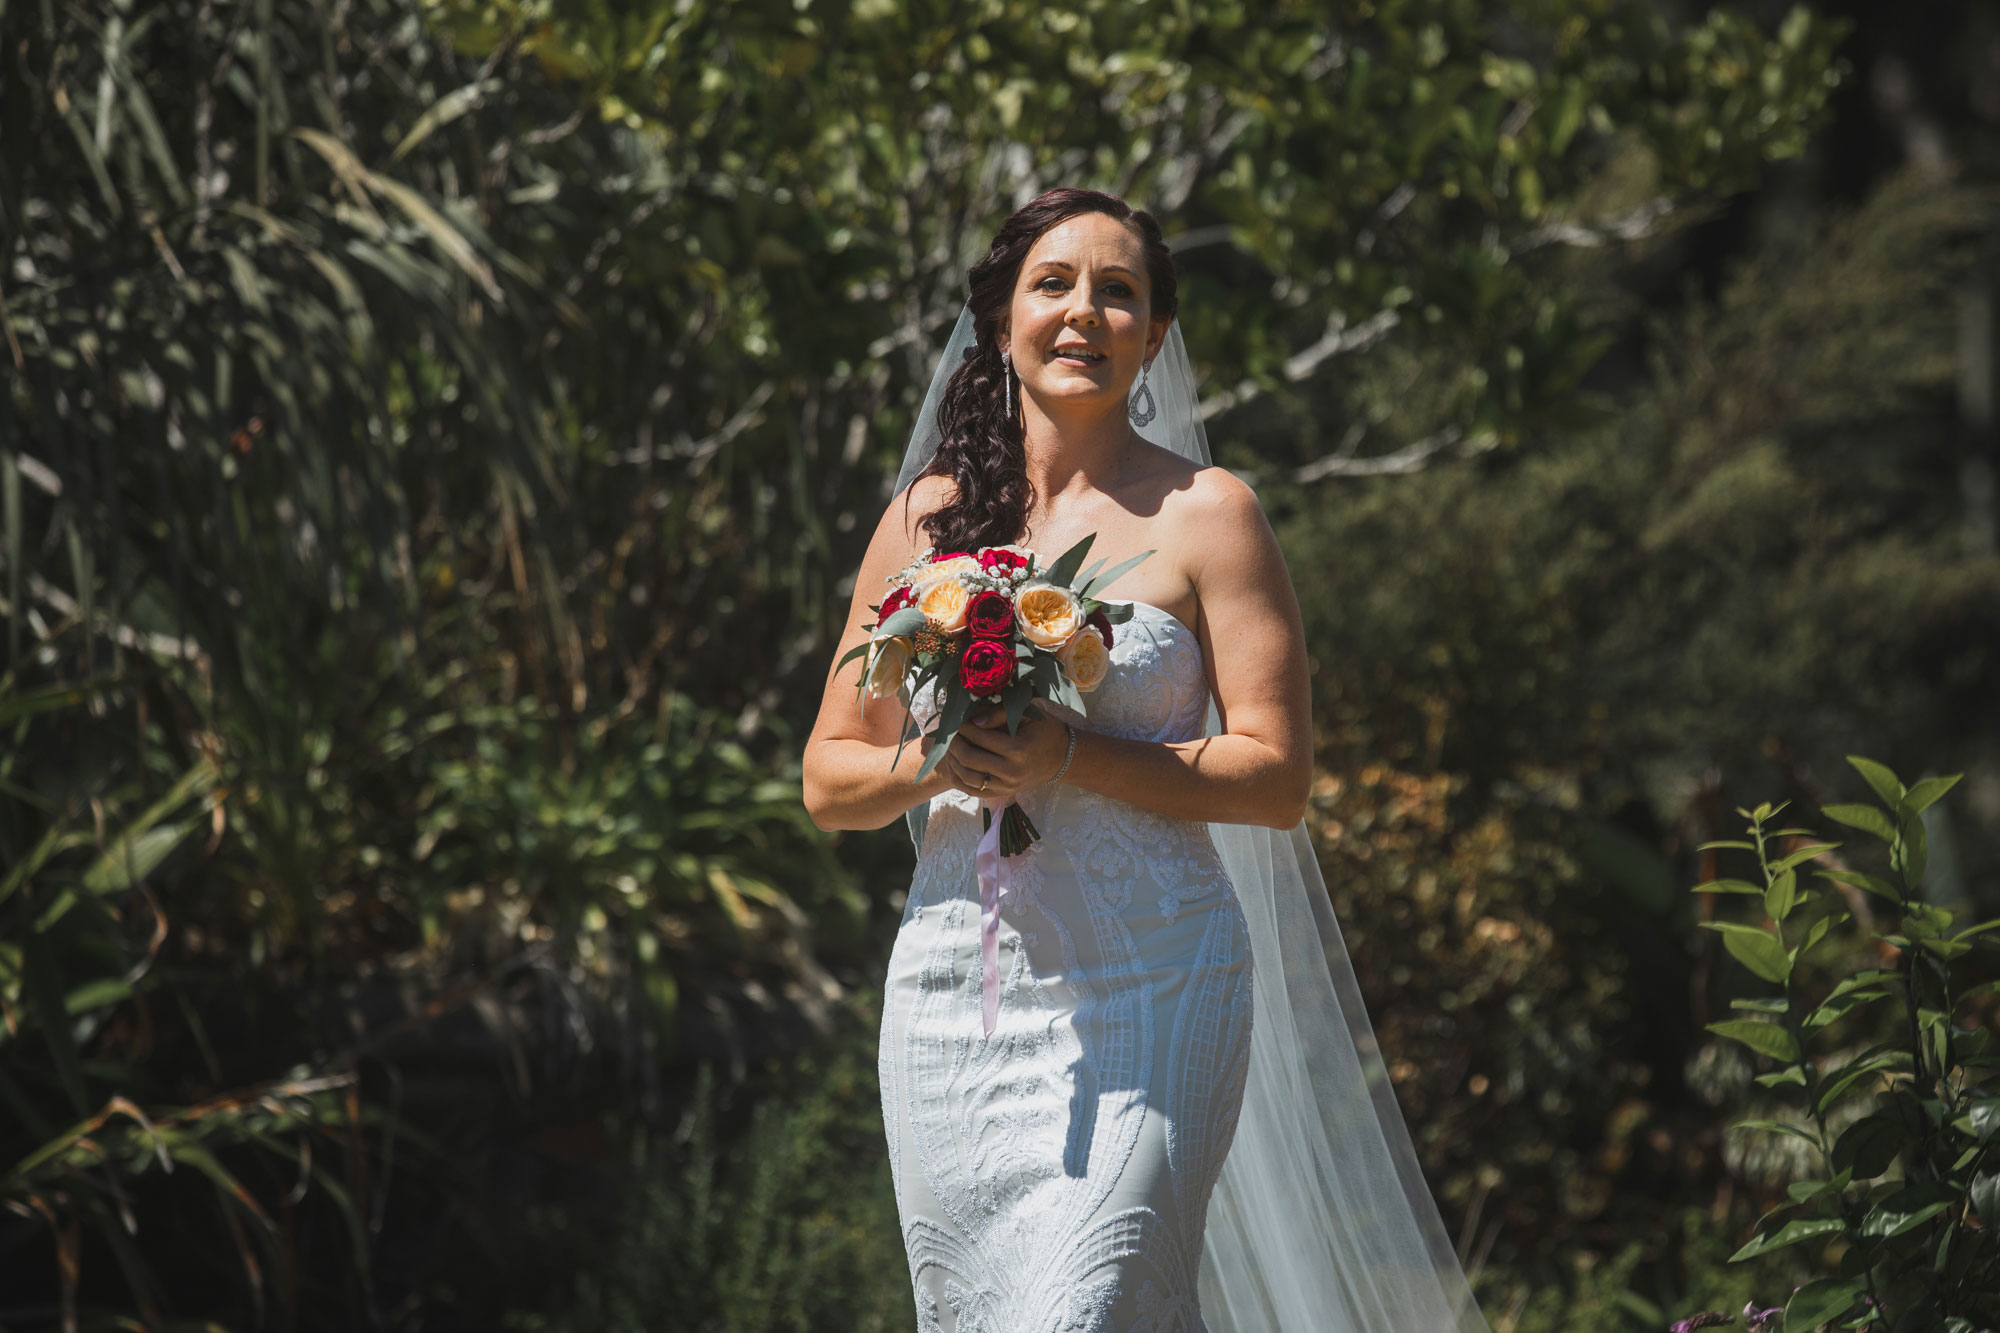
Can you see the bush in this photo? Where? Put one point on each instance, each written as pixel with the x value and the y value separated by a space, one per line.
pixel 1903 1199
pixel 788 1225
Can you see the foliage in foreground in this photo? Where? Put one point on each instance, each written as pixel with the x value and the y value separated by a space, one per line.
pixel 785 1223
pixel 442 428
pixel 1902 1121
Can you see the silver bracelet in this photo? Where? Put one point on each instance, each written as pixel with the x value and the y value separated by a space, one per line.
pixel 1071 754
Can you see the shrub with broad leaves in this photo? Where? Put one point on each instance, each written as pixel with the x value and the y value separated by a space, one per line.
pixel 1905 1130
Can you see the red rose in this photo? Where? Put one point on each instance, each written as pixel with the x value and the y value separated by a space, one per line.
pixel 990 616
pixel 949 555
pixel 897 599
pixel 995 558
pixel 987 667
pixel 1103 623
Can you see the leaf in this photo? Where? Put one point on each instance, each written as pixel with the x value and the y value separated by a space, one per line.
pixel 96 995
pixel 1803 855
pixel 1911 852
pixel 446 237
pixel 1836 1007
pixel 1822 1301
pixel 1730 886
pixel 1764 1038
pixel 1925 794
pixel 1739 846
pixel 1817 932
pixel 1756 949
pixel 1979 929
pixel 1847 1077
pixel 1804 1228
pixel 1777 1127
pixel 1881 888
pixel 443 111
pixel 906 621
pixel 1886 784
pixel 1791 1075
pixel 130 860
pixel 1111 576
pixel 1985 1118
pixel 1066 565
pixel 51 697
pixel 1909 1208
pixel 1782 896
pixel 1985 1194
pixel 950 718
pixel 1019 695
pixel 1867 818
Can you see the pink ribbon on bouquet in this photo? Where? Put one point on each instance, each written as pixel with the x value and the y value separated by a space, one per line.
pixel 996 881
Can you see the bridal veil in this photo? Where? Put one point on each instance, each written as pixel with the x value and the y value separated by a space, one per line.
pixel 1321 1222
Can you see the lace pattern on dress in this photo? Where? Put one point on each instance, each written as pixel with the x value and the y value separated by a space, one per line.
pixel 1011 1154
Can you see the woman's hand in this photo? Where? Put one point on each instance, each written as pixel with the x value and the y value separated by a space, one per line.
pixel 1008 764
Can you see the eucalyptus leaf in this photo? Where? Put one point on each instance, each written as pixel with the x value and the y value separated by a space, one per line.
pixel 1066 565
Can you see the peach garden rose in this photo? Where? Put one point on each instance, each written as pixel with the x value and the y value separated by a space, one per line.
pixel 1050 615
pixel 944 599
pixel 1085 659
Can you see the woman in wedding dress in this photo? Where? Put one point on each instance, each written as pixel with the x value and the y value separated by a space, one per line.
pixel 1058 1175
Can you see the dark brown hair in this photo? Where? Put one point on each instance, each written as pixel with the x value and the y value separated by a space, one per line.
pixel 980 445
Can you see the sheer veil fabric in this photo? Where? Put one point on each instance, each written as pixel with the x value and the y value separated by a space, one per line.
pixel 1321 1221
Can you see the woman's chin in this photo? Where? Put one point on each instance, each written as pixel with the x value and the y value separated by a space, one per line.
pixel 1074 393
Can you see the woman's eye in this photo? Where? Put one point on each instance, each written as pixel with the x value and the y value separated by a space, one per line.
pixel 1117 289
pixel 1044 284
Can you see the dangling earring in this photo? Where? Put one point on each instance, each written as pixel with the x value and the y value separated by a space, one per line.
pixel 1144 409
pixel 1007 369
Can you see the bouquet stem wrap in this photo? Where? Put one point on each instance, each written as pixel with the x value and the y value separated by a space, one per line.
pixel 996 881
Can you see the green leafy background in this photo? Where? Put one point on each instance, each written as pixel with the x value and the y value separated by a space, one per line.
pixel 437 438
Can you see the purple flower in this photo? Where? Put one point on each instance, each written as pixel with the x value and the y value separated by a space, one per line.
pixel 1706 1319
pixel 1755 1319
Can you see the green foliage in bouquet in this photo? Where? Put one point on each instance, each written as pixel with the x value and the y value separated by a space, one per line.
pixel 1908 1199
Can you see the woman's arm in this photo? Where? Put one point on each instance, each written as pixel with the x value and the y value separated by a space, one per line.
pixel 1259 769
pixel 847 779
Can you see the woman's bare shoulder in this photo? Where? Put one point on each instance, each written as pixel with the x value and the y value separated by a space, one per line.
pixel 1215 495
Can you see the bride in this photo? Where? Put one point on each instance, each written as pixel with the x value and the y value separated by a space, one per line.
pixel 1180 1121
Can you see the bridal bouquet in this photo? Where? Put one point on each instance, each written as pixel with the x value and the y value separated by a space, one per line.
pixel 991 626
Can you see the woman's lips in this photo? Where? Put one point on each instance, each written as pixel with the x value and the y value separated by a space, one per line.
pixel 1078 356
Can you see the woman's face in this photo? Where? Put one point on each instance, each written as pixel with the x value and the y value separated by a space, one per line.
pixel 1080 325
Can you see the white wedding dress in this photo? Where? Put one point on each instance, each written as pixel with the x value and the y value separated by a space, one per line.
pixel 1142 1076
pixel 1057 1175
